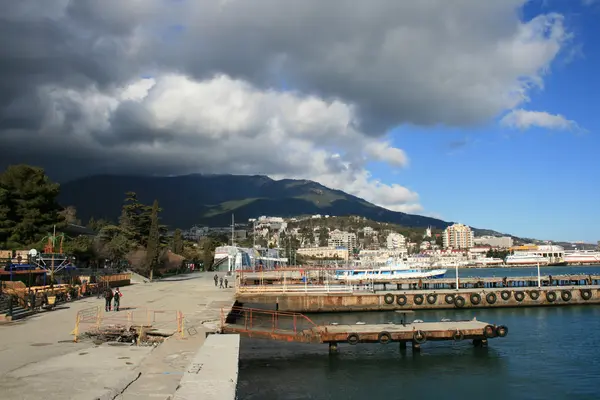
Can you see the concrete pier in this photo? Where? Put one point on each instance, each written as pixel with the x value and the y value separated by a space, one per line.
pixel 313 301
pixel 41 361
pixel 213 373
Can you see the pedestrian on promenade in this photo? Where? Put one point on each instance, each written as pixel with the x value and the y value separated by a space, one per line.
pixel 226 283
pixel 118 295
pixel 216 280
pixel 221 283
pixel 108 296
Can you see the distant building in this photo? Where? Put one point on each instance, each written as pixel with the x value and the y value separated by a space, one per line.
pixel 396 241
pixel 458 236
pixel 195 232
pixel 339 238
pixel 329 253
pixel 368 231
pixel 494 241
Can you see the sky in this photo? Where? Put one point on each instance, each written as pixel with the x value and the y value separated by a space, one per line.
pixel 479 112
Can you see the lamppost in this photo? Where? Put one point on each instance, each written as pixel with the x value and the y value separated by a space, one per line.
pixel 253 220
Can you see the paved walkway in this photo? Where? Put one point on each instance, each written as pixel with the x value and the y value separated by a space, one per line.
pixel 38 353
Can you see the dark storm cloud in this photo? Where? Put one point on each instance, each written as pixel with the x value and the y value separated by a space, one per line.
pixel 64 65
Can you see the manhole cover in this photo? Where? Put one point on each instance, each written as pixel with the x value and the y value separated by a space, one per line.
pixel 83 354
pixel 124 358
pixel 41 344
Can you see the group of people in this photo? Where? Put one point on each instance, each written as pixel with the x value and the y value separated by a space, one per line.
pixel 219 282
pixel 110 296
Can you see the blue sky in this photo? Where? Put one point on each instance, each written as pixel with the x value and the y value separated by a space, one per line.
pixel 534 182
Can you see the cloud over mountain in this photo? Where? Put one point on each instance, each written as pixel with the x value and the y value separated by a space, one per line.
pixel 285 88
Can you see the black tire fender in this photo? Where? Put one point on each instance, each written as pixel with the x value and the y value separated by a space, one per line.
pixel 419 337
pixel 475 298
pixel 489 331
pixel 384 337
pixel 491 298
pixel 586 294
pixel 551 297
pixel 458 336
pixel 566 295
pixel 432 298
pixel 418 299
pixel 519 296
pixel 501 331
pixel 505 294
pixel 459 302
pixel 534 294
pixel 449 299
pixel 401 300
pixel 388 298
pixel 353 339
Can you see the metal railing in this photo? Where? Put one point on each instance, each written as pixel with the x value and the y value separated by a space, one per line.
pixel 257 320
pixel 294 289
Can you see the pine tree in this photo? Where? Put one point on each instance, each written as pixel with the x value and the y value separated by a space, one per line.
pixel 28 206
pixel 177 247
pixel 136 218
pixel 153 242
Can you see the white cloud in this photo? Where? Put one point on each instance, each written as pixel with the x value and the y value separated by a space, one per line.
pixel 223 125
pixel 523 119
pixel 588 2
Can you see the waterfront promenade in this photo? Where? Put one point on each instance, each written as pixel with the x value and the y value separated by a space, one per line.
pixel 41 361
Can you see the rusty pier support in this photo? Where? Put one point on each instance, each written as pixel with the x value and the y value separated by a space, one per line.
pixel 333 347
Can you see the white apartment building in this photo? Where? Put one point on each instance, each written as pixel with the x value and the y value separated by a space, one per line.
pixel 368 231
pixel 329 253
pixel 458 236
pixel 396 241
pixel 339 238
pixel 494 241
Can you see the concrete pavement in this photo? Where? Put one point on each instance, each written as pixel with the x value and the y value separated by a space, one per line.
pixel 38 353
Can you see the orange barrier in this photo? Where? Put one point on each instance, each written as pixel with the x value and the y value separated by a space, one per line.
pixel 96 318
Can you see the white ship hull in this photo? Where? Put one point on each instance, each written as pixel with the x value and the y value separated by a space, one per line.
pixel 591 258
pixel 511 260
pixel 388 274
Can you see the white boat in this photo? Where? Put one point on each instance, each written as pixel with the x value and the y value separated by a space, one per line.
pixel 392 271
pixel 489 261
pixel 582 257
pixel 532 255
pixel 526 259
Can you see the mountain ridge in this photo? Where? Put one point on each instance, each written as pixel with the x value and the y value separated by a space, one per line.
pixel 193 199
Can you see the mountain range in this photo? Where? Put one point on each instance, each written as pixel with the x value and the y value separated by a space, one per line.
pixel 211 199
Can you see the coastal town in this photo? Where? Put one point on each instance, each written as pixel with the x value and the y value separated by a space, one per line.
pixel 274 241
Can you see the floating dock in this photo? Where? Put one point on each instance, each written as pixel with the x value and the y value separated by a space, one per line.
pixel 295 327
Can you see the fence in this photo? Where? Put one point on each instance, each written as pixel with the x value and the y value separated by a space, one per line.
pixel 95 320
pixel 294 289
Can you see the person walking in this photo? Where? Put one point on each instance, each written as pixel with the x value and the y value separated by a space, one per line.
pixel 221 283
pixel 118 295
pixel 108 296
pixel 226 282
pixel 216 280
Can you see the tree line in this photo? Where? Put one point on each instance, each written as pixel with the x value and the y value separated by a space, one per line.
pixel 30 211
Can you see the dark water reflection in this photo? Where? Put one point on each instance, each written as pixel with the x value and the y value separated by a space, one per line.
pixel 550 353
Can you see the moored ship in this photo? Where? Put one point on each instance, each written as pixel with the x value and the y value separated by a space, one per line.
pixel 533 255
pixel 582 257
pixel 393 271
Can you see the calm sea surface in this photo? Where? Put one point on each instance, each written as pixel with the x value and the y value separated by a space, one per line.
pixel 549 353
